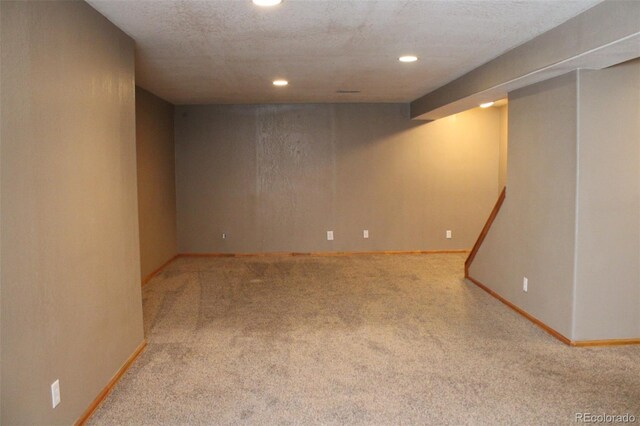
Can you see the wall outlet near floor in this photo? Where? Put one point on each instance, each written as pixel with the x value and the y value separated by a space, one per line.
pixel 365 233
pixel 224 235
pixel 330 235
pixel 525 284
pixel 55 394
pixel 448 234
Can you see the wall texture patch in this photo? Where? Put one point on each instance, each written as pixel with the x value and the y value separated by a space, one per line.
pixel 278 177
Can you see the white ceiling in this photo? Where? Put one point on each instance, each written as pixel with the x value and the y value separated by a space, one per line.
pixel 195 52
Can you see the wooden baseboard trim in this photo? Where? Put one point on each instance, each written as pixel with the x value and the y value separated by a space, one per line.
pixel 105 391
pixel 551 331
pixel 485 230
pixel 321 254
pixel 531 318
pixel 360 253
pixel 148 277
pixel 606 342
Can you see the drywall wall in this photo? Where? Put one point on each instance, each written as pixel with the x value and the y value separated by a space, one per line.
pixel 277 177
pixel 504 146
pixel 155 154
pixel 607 304
pixel 71 300
pixel 533 235
pixel 1 125
pixel 570 220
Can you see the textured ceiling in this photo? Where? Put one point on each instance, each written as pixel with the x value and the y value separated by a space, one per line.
pixel 194 52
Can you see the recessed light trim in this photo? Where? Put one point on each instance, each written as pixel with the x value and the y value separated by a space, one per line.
pixel 486 104
pixel 280 83
pixel 408 58
pixel 267 3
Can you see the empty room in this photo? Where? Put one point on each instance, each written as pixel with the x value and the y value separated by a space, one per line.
pixel 369 212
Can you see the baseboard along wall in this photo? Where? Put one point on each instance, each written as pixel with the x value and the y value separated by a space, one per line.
pixel 105 391
pixel 551 331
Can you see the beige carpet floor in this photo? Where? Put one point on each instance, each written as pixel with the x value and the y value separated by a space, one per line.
pixel 372 339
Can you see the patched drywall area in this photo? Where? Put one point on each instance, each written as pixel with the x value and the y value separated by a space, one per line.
pixel 276 178
pixel 71 302
pixel 533 235
pixel 607 304
pixel 155 158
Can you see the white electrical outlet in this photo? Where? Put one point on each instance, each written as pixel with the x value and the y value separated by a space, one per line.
pixel 330 235
pixel 525 284
pixel 55 393
pixel 448 234
pixel 365 233
pixel 224 235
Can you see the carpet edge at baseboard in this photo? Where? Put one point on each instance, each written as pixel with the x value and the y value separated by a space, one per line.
pixel 552 332
pixel 109 386
pixel 150 276
pixel 520 311
pixel 321 253
pixel 159 269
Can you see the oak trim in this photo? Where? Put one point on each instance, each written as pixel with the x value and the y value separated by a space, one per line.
pixel 322 253
pixel 148 277
pixel 105 391
pixel 525 314
pixel 551 331
pixel 485 231
pixel 606 342
pixel 391 252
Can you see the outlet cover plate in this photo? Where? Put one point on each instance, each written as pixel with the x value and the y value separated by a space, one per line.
pixel 55 393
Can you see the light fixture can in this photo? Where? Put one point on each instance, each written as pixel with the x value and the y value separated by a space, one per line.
pixel 408 58
pixel 267 3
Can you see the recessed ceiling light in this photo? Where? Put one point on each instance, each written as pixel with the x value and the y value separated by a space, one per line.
pixel 280 82
pixel 486 105
pixel 266 3
pixel 408 58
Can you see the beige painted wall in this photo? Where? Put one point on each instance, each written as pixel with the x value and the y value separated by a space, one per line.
pixel 570 222
pixel 504 145
pixel 1 126
pixel 277 177
pixel 70 296
pixel 533 235
pixel 155 153
pixel 607 304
